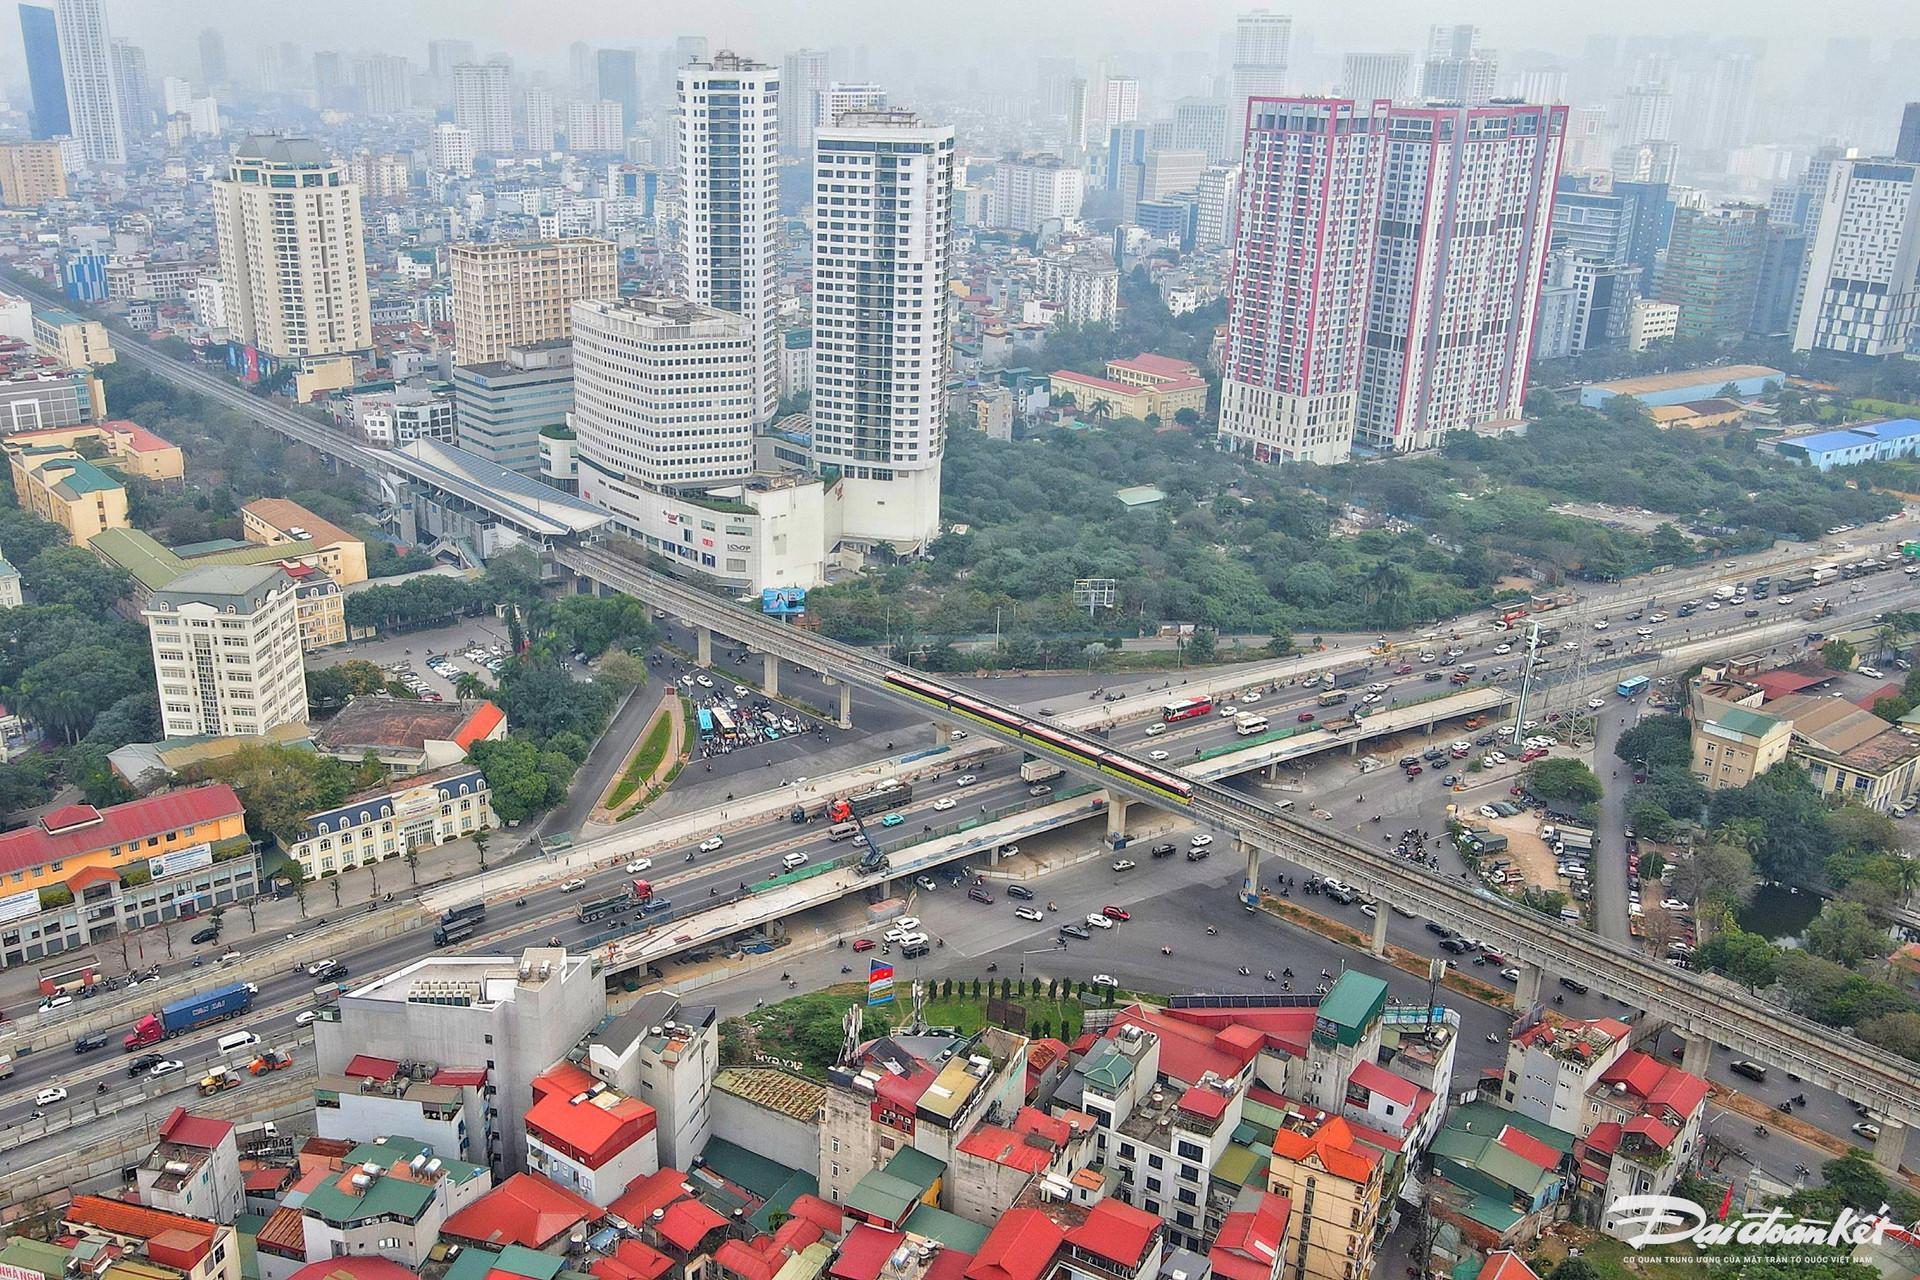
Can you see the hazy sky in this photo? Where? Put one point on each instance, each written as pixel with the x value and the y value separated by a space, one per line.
pixel 538 31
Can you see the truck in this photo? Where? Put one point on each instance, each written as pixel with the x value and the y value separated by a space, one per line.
pixel 1798 582
pixel 474 911
pixel 6 1066
pixel 191 1014
pixel 1040 771
pixel 1553 600
pixel 447 935
pixel 1347 678
pixel 218 1080
pixel 1549 635
pixel 1568 837
pixel 1819 609
pixel 642 891
pixel 1509 617
pixel 1825 573
pixel 890 794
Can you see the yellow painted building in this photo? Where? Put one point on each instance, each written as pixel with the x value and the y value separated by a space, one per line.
pixel 78 842
pixel 75 341
pixel 31 174
pixel 58 485
pixel 1333 1181
pixel 279 522
pixel 132 448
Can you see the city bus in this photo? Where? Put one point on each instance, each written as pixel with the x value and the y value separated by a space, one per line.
pixel 1186 709
pixel 1631 686
pixel 722 720
pixel 1247 726
pixel 706 723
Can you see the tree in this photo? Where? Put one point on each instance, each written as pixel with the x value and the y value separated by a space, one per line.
pixel 1897 1032
pixel 1201 648
pixel 297 877
pixel 281 786
pixel 621 672
pixel 481 839
pixel 468 686
pixel 1564 778
pixel 1652 863
pixel 1719 872
pixel 1745 957
pixel 517 775
pixel 1838 655
pixel 1846 935
pixel 1858 829
pixel 73 576
pixel 1576 1269
pixel 412 857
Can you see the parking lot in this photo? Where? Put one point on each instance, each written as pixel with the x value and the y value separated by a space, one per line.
pixel 407 654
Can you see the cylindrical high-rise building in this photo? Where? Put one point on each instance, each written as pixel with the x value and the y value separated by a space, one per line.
pixel 729 127
pixel 883 237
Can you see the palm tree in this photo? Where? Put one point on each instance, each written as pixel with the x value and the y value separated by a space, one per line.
pixel 1908 870
pixel 469 685
pixel 1100 409
pixel 1391 589
pixel 1884 640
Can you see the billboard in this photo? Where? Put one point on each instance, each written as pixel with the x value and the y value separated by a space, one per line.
pixel 194 857
pixel 18 906
pixel 879 982
pixel 783 601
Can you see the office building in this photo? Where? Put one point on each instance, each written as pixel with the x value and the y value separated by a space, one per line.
pixel 1712 269
pixel 226 651
pixel 542 120
pixel 883 236
pixel 1908 146
pixel 1083 283
pixel 31 174
pixel 1459 252
pixel 450 150
pixel 402 814
pixel 730 188
pixel 1120 101
pixel 1367 77
pixel 1783 265
pixel 1218 195
pixel 78 342
pixel 292 250
pixel 1733 745
pixel 1261 42
pixel 483 105
pixel 840 97
pixel 503 405
pixel 1457 69
pixel 509 294
pixel 384 85
pixel 46 80
pixel 1297 293
pixel 1205 125
pixel 93 99
pixel 1649 322
pixel 803 78
pixel 617 77
pixel 665 397
pixel 1861 295
pixel 595 127
pixel 509 1017
pixel 213 57
pixel 1646 114
pixel 55 482
pixel 131 84
pixel 1029 192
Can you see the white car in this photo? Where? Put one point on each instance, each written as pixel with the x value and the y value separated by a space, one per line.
pixel 1028 913
pixel 1600 625
pixel 1488 811
pixel 1595 703
pixel 1229 711
pixel 1104 980
pixel 1571 645
pixel 167 1067
pixel 638 865
pixel 1156 755
pixel 907 924
pixel 1503 648
pixel 705 682
pixel 945 803
pixel 1643 632
pixel 1201 841
pixel 959 735
pixel 710 844
pixel 965 780
pixel 571 886
pixel 1511 975
pixel 1377 688
pixel 1250 697
pixel 1870 673
pixel 895 934
pixel 1009 850
pixel 740 691
pixel 1656 617
pixel 47 1097
pixel 1098 921
pixel 926 882
pixel 1461 747
pixel 1784 599
pixel 1429 657
pixel 1155 730
pixel 306 1017
pixel 1712 605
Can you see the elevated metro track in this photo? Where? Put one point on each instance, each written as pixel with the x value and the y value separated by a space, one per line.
pixel 1698 1005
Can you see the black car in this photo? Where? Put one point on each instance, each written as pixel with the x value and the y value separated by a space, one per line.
pixel 1165 850
pixel 1197 855
pixel 1752 613
pixel 209 934
pixel 1574 985
pixel 1019 891
pixel 332 972
pixel 1074 931
pixel 1454 946
pixel 145 1062
pixel 1435 927
pixel 87 1044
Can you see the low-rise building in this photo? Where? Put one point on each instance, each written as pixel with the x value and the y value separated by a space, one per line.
pixel 1553 1066
pixel 75 341
pixel 10 597
pixel 407 814
pixel 668 1052
pixel 80 875
pixel 1736 745
pixel 320 610
pixel 1178 382
pixel 60 486
pixel 389 1196
pixel 281 522
pixel 527 1211
pixel 194 1168
pixel 409 736
pixel 1640 1130
pixel 587 1136
pixel 129 447
pixel 1847 446
pixel 1333 1182
pixel 1850 754
pixel 445 1107
pixel 36 391
pixel 1649 322
pixel 1748 380
pixel 1499 1176
pixel 119 1240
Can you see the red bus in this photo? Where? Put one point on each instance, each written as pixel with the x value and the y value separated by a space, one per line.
pixel 1187 709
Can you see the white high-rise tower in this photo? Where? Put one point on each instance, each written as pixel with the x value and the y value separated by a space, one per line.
pixel 1261 41
pixel 93 99
pixel 729 126
pixel 883 235
pixel 483 105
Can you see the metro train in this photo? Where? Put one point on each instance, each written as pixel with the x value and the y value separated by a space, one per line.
pixel 1162 783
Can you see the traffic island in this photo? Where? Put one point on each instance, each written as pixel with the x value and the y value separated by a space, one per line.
pixel 657 758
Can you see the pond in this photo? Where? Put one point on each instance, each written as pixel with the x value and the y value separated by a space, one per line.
pixel 1780 915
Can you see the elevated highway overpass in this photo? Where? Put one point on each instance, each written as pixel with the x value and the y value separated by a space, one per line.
pixel 1702 1007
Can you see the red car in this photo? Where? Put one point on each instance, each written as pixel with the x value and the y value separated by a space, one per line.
pixel 1404 669
pixel 1116 913
pixel 1304 716
pixel 1414 770
pixel 863 944
pixel 1532 753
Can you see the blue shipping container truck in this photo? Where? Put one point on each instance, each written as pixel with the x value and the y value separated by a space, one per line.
pixel 195 1011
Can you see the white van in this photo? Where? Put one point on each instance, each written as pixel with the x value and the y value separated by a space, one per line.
pixel 794 859
pixel 913 940
pixel 234 1041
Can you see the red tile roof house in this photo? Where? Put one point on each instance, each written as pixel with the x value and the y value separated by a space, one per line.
pixel 526 1210
pixel 1645 1121
pixel 670 1220
pixel 1117 1240
pixel 588 1136
pixel 1248 1246
pixel 1021 1246
pixel 171 1240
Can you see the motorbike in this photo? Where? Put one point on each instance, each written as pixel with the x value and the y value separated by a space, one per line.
pixel 993 968
pixel 1053 906
pixel 1785 1108
pixel 1270 975
pixel 1211 930
pixel 1759 1131
pixel 1245 972
pixel 520 902
pixel 1166 951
